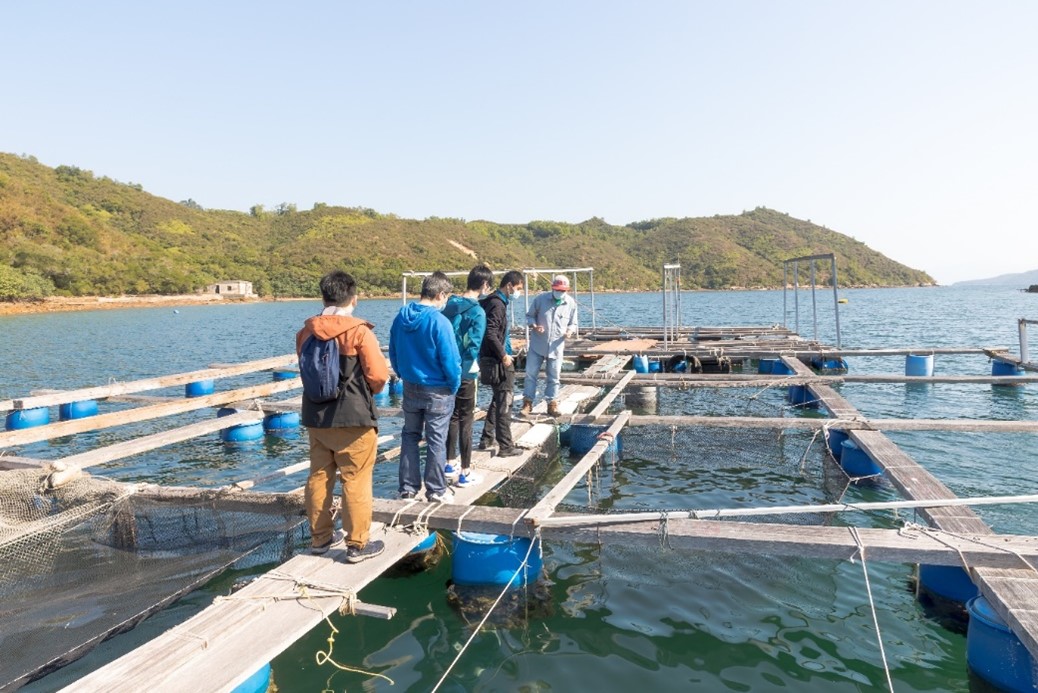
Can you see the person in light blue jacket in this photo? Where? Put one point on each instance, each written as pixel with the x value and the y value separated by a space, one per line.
pixel 470 324
pixel 552 318
pixel 424 353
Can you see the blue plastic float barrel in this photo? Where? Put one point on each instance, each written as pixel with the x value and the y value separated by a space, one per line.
pixel 257 683
pixel 856 461
pixel 1002 368
pixel 835 442
pixel 829 364
pixel 948 581
pixel 654 366
pixel 994 653
pixel 396 387
pixel 800 396
pixel 766 365
pixel 920 365
pixel 199 388
pixel 281 422
pixel 427 544
pixel 27 418
pixel 382 396
pixel 241 433
pixel 780 368
pixel 285 375
pixel 583 437
pixel 641 364
pixel 493 559
pixel 78 410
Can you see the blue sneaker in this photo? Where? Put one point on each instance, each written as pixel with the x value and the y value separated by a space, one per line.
pixel 450 471
pixel 468 478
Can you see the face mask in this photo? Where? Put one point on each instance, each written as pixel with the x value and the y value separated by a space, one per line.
pixel 517 293
pixel 557 295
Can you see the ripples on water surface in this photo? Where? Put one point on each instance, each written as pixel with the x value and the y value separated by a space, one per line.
pixel 626 616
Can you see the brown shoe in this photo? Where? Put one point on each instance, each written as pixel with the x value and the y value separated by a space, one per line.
pixel 527 408
pixel 553 409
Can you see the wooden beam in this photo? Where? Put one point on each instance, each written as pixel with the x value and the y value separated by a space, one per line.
pixel 546 506
pixel 151 383
pixel 126 416
pixel 601 407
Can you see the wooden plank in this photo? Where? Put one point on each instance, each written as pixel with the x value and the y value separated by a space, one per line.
pixel 152 383
pixel 546 506
pixel 794 422
pixel 15 462
pixel 768 538
pixel 626 345
pixel 126 416
pixel 601 407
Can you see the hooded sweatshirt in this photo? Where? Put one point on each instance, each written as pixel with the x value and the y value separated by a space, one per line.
pixel 422 348
pixel 470 324
pixel 362 371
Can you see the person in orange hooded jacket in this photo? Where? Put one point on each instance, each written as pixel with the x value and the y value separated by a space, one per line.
pixel 344 432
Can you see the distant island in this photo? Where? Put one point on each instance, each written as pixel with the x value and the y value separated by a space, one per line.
pixel 70 233
pixel 1016 280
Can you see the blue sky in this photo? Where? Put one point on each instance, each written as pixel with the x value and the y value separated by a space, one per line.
pixel 908 125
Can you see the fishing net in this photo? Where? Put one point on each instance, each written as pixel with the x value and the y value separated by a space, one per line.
pixel 92 557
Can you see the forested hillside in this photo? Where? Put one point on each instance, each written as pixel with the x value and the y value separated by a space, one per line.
pixel 66 231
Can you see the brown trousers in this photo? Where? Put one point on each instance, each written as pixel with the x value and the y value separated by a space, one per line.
pixel 352 451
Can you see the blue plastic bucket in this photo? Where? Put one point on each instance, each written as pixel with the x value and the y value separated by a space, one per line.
pixel 994 653
pixel 78 410
pixel 654 367
pixel 856 461
pixel 948 581
pixel 835 442
pixel 285 375
pixel 257 683
pixel 281 422
pixel 766 365
pixel 492 559
pixel 199 388
pixel 919 365
pixel 641 364
pixel 27 418
pixel 583 437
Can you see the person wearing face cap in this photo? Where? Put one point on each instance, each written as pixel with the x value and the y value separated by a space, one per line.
pixel 424 353
pixel 552 318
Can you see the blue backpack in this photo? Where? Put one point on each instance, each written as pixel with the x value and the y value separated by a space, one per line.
pixel 319 369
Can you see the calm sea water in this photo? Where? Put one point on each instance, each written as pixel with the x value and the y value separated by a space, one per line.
pixel 626 615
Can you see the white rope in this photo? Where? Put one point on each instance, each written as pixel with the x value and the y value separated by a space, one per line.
pixel 396 516
pixel 872 606
pixel 462 517
pixel 522 566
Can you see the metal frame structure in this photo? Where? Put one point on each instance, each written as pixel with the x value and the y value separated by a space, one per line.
pixel 795 261
pixel 1022 328
pixel 671 303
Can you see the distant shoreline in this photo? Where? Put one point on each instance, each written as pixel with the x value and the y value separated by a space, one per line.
pixel 63 304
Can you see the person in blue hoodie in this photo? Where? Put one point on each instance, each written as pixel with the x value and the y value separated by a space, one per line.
pixel 424 354
pixel 470 324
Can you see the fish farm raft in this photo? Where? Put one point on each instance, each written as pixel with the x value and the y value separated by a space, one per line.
pixel 129 548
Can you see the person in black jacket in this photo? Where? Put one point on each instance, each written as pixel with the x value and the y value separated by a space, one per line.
pixel 495 366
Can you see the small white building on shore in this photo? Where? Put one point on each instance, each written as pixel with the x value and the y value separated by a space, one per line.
pixel 231 288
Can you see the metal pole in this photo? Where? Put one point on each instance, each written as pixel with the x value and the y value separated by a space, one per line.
pixel 594 316
pixel 677 291
pixel 836 303
pixel 785 285
pixel 575 300
pixel 796 294
pixel 664 277
pixel 814 302
pixel 1022 327
pixel 403 292
pixel 526 298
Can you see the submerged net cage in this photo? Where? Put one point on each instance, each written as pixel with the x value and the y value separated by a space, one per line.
pixel 93 557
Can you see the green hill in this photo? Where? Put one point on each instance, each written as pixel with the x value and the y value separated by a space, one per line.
pixel 68 232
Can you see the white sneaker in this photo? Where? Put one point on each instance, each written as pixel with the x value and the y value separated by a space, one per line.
pixel 446 497
pixel 468 478
pixel 451 469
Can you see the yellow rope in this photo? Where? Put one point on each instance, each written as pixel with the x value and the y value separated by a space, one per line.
pixel 322 657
